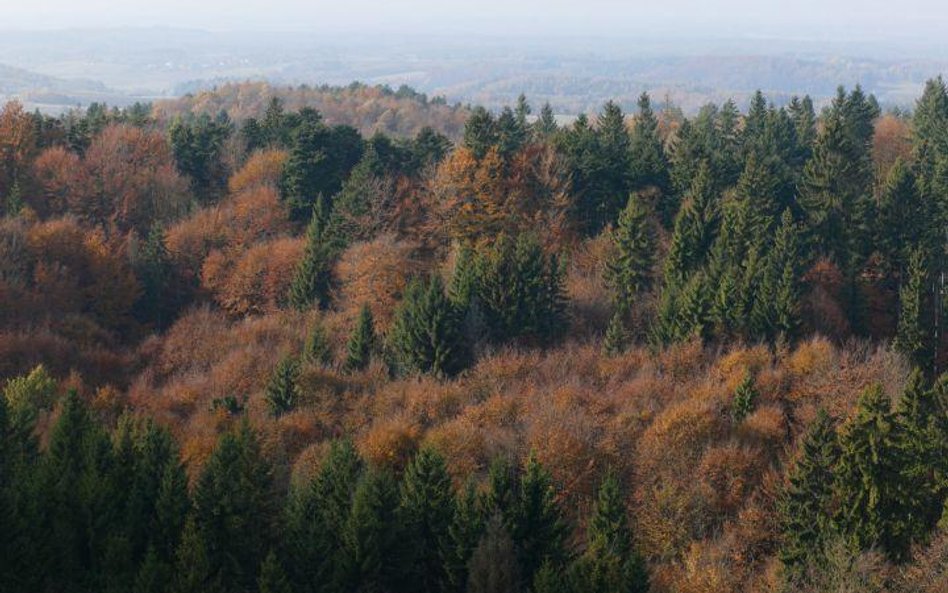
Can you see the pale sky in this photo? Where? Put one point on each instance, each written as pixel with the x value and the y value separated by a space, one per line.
pixel 862 19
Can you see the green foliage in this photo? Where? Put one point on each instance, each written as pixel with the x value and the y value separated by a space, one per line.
pixel 745 399
pixel 158 302
pixel 427 331
pixel 805 505
pixel 649 165
pixel 282 392
pixel 629 273
pixel 372 536
pixel 493 566
pixel 316 349
pixel 272 576
pixel 197 144
pixel 480 132
pixel 536 524
pixel 314 273
pixel 914 330
pixel 361 343
pixel 617 338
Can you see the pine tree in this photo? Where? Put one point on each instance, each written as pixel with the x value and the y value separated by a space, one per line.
pixel 272 576
pixel 874 506
pixel 914 334
pixel 467 527
pixel 493 566
pixel 314 274
pixel 745 399
pixel 615 167
pixel 629 272
pixel 480 132
pixel 193 569
pixel 511 133
pixel 610 564
pixel 361 343
pixel 696 227
pixel 153 267
pixel 545 126
pixel 805 505
pixel 426 511
pixel 153 574
pixel 427 331
pixel 282 392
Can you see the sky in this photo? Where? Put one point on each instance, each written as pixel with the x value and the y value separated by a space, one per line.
pixel 849 19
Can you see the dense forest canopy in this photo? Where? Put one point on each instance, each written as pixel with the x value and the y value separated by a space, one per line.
pixel 357 340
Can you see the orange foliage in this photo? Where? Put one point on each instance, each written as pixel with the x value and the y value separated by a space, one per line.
pixel 256 280
pixel 892 140
pixel 17 145
pixel 262 169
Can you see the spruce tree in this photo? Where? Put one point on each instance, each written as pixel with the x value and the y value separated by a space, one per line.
pixel 874 505
pixel 610 563
pixel 493 566
pixel 427 331
pixel 234 509
pixel 272 576
pixel 193 569
pixel 805 505
pixel 615 167
pixel 361 343
pixel 649 165
pixel 467 527
pixel 372 539
pixel 545 126
pixel 314 273
pixel 426 512
pixel 914 330
pixel 616 339
pixel 282 392
pixel 629 272
pixel 745 398
pixel 537 525
pixel 480 132
pixel 316 349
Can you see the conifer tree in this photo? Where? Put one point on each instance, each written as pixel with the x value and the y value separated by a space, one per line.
pixel 317 349
pixel 537 525
pixel 629 272
pixel 545 126
pixel 234 509
pixel 649 165
pixel 361 343
pixel 467 527
pixel 480 132
pixel 372 537
pixel 914 334
pixel 873 501
pixel 427 331
pixel 696 226
pixel 282 393
pixel 610 564
pixel 153 267
pixel 426 512
pixel 614 142
pixel 314 273
pixel 153 575
pixel 745 398
pixel 511 133
pixel 493 566
pixel 193 569
pixel 272 576
pixel 616 339
pixel 805 505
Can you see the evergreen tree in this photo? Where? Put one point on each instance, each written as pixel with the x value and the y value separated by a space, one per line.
pixel 467 527
pixel 197 144
pixel 511 133
pixel 234 509
pixel 803 117
pixel 695 229
pixel 372 538
pixel 193 569
pixel 616 339
pixel 649 165
pixel 426 332
pixel 480 132
pixel 493 566
pixel 903 217
pixel 873 501
pixel 282 392
pixel 314 273
pixel 361 343
pixel 153 575
pixel 545 126
pixel 805 505
pixel 426 511
pixel 629 272
pixel 613 152
pixel 272 576
pixel 157 302
pixel 537 525
pixel 610 564
pixel 914 334
pixel 317 349
pixel 745 398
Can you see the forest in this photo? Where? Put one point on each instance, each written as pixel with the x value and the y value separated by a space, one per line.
pixel 298 340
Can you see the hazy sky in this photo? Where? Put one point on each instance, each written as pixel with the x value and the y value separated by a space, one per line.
pixel 863 19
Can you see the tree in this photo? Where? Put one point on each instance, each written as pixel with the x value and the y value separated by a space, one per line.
pixel 745 399
pixel 282 392
pixel 197 144
pixel 426 333
pixel 464 534
pixel 480 132
pixel 696 226
pixel 493 566
pixel 234 509
pixel 314 273
pixel 805 505
pixel 914 334
pixel 536 524
pixel 629 273
pixel 873 499
pixel 272 576
pixel 316 349
pixel 610 564
pixel 649 165
pixel 372 536
pixel 616 339
pixel 545 126
pixel 158 301
pixel 614 143
pixel 361 342
pixel 427 510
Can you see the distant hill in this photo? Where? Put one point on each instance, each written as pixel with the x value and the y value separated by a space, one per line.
pixel 368 108
pixel 50 93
